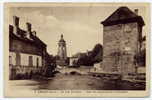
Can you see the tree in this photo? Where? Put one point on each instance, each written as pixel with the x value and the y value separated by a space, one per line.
pixel 97 53
pixel 91 57
pixel 140 58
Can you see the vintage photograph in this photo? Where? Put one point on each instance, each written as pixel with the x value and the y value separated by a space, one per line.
pixel 76 46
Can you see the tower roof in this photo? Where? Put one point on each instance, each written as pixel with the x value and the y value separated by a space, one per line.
pixel 123 15
pixel 61 40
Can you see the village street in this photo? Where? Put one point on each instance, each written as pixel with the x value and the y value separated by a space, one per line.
pixel 72 82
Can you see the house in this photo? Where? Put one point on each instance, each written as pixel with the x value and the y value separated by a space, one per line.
pixel 27 53
pixel 73 61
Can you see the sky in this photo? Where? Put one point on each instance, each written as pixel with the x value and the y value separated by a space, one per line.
pixel 79 24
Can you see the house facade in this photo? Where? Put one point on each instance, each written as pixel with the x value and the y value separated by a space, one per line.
pixel 122 34
pixel 73 61
pixel 27 53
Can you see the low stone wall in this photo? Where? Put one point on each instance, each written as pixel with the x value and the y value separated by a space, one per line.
pixel 22 71
pixel 81 69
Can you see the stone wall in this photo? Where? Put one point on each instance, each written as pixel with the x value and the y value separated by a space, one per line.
pixel 120 44
pixel 81 70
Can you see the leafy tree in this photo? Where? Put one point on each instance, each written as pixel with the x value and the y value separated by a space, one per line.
pixel 97 53
pixel 140 58
pixel 94 56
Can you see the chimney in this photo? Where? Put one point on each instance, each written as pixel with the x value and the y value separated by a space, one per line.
pixel 136 11
pixel 34 33
pixel 28 29
pixel 15 24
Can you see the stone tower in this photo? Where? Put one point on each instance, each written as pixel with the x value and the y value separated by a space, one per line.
pixel 122 33
pixel 62 53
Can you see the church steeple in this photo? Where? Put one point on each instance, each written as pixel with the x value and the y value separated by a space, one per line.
pixel 62 53
pixel 62 40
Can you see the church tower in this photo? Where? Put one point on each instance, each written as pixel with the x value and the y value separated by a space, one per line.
pixel 62 53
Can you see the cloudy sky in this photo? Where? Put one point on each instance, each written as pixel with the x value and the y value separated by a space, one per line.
pixel 79 24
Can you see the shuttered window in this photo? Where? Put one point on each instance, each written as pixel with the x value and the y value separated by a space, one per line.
pixel 18 59
pixel 30 61
pixel 37 62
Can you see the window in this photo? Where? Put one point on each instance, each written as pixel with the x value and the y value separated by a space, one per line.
pixel 37 62
pixel 30 61
pixel 18 59
pixel 127 28
pixel 10 60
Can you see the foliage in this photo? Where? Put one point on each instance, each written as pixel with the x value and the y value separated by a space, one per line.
pixel 140 58
pixel 88 59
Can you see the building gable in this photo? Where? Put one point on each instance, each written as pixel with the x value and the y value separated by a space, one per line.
pixel 122 15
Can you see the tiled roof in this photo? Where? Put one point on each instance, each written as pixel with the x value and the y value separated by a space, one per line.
pixel 123 15
pixel 21 36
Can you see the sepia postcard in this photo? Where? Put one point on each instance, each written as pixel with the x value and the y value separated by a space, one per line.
pixel 76 49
